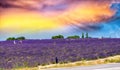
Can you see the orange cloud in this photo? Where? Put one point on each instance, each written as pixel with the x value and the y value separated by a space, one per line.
pixel 78 13
pixel 87 13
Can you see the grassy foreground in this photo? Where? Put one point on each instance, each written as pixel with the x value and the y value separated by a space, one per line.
pixel 112 59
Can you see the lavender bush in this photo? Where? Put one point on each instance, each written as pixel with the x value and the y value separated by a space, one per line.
pixel 39 52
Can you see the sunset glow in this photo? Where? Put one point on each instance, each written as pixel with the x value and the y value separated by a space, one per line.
pixel 22 16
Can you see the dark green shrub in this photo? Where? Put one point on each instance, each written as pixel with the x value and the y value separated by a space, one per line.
pixel 73 37
pixel 58 37
pixel 20 38
pixel 11 38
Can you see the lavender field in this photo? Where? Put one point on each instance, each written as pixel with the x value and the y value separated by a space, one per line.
pixel 39 52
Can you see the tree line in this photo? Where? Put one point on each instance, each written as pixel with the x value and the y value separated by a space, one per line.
pixel 54 37
pixel 71 37
pixel 18 38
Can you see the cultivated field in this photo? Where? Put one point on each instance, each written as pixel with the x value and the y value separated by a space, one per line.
pixel 32 53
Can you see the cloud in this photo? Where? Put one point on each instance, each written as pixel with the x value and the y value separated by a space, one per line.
pixel 84 14
pixel 42 18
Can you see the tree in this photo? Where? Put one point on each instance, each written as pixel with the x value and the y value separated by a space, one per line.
pixel 20 38
pixel 73 37
pixel 58 37
pixel 11 38
pixel 82 35
pixel 87 36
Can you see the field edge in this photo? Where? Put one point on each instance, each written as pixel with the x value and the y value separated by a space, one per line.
pixel 111 59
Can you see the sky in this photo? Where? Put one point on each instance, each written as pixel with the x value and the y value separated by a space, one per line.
pixel 41 19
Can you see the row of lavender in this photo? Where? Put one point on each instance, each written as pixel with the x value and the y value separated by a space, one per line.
pixel 37 52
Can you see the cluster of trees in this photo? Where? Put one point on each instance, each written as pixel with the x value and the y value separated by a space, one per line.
pixel 71 37
pixel 54 37
pixel 18 38
pixel 58 37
